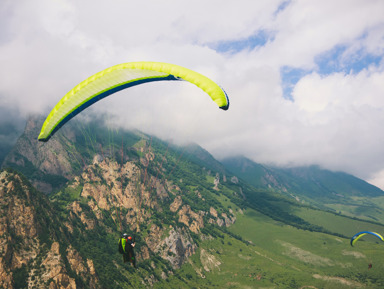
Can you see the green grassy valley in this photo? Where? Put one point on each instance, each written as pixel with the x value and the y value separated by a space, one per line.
pixel 274 255
pixel 312 258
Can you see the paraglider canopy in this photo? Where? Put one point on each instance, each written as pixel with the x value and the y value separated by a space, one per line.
pixel 119 77
pixel 361 234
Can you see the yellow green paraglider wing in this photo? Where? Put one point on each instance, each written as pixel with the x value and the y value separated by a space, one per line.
pixel 119 77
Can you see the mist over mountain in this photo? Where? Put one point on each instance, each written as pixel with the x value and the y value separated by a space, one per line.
pixel 313 185
pixel 322 182
pixel 11 127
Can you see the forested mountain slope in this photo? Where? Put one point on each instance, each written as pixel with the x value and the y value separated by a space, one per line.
pixel 197 224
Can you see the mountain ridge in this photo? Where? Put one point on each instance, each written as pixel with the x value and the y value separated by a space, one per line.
pixel 189 212
pixel 321 188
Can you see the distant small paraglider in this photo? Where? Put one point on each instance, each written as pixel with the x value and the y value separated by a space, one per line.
pixel 363 233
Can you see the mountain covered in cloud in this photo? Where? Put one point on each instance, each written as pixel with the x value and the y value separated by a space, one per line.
pixel 50 165
pixel 192 216
pixel 313 185
pixel 11 126
pixel 305 81
pixel 305 78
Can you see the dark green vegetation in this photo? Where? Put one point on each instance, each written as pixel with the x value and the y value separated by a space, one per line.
pixel 276 241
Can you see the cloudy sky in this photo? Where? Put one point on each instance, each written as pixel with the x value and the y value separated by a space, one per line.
pixel 305 78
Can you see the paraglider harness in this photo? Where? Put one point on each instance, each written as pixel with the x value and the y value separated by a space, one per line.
pixel 121 250
pixel 121 241
pixel 126 244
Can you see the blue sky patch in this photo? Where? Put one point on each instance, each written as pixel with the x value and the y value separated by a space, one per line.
pixel 282 7
pixel 234 46
pixel 333 61
pixel 289 77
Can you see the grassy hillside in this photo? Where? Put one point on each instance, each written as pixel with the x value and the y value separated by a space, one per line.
pixel 336 191
pixel 274 255
pixel 311 258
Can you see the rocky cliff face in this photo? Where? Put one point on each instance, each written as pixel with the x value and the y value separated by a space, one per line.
pixel 45 242
pixel 38 160
pixel 30 255
pixel 116 191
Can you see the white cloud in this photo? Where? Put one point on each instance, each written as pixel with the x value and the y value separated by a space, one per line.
pixel 377 179
pixel 306 29
pixel 47 47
